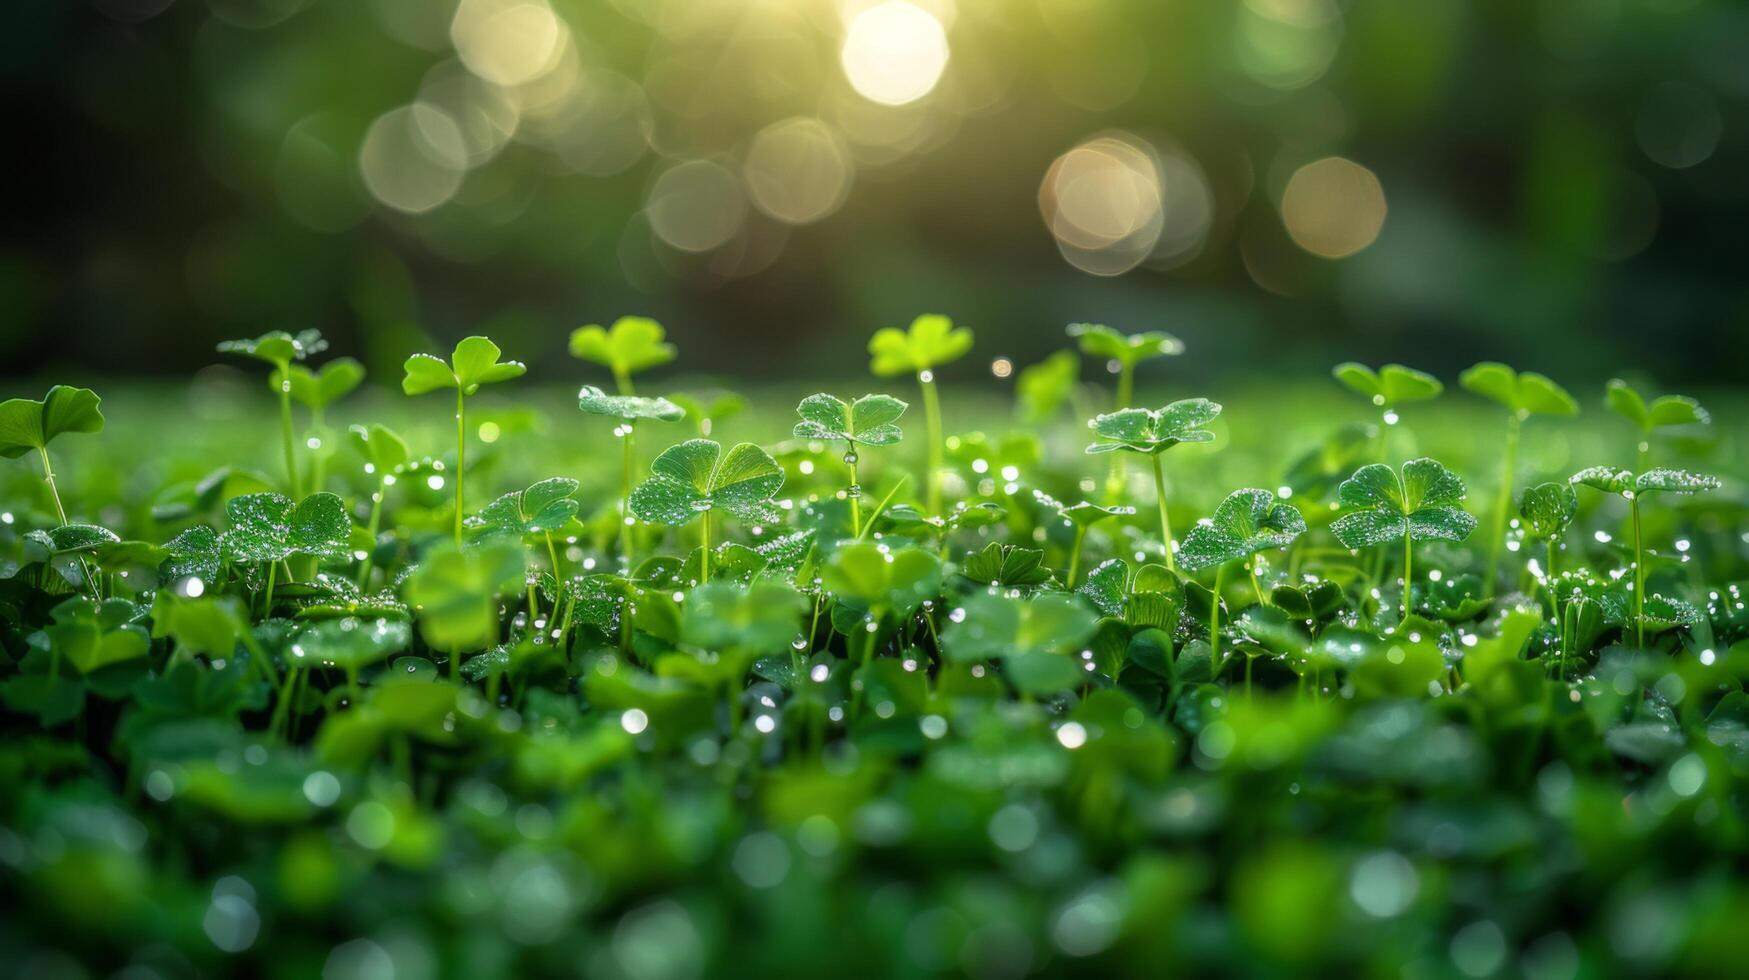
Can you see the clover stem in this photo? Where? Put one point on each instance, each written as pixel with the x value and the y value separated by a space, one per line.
pixel 1215 619
pixel 1502 502
pixel 318 461
pixel 1408 570
pixel 272 573
pixel 623 382
pixel 285 431
pixel 854 492
pixel 932 414
pixel 1075 554
pixel 461 452
pixel 1251 569
pixel 1165 520
pixel 1549 568
pixel 1115 476
pixel 49 478
pixel 704 563
pixel 553 556
pixel 625 500
pixel 376 516
pixel 1639 577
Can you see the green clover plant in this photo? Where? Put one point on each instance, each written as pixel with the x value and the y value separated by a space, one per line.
pixel 1522 395
pixel 28 424
pixel 696 478
pixel 1633 487
pixel 1422 502
pixel 473 363
pixel 931 341
pixel 280 349
pixel 1663 412
pixel 872 420
pixel 633 344
pixel 1141 430
pixel 629 409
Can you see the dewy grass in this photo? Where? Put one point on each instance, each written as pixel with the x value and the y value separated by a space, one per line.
pixel 615 712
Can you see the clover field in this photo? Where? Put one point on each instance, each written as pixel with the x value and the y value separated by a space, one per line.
pixel 1089 671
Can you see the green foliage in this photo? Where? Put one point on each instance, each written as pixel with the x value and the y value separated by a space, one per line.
pixel 633 344
pixel 1661 480
pixel 1547 509
pixel 631 408
pixel 473 363
pixel 380 447
pixel 319 389
pixel 1662 412
pixel 1098 340
pixel 455 593
pixel 1006 566
pixel 543 507
pixel 266 527
pixel 27 423
pixel 1424 502
pixel 1247 522
pixel 695 477
pixel 1146 431
pixel 1390 385
pixel 277 347
pixel 931 341
pixel 882 581
pixel 872 420
pixel 1037 639
pixel 1524 394
pixel 1043 389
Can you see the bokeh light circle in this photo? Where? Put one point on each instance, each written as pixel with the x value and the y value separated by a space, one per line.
pixel 894 52
pixel 798 170
pixel 696 206
pixel 412 158
pixel 1333 207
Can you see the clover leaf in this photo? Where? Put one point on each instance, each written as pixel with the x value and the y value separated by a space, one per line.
pixel 1098 340
pixel 695 478
pixel 28 424
pixel 318 389
pixel 631 345
pixel 382 449
pixel 277 347
pixel 454 592
pixel 351 642
pixel 92 634
pixel 542 507
pixel 705 409
pixel 1424 503
pixel 931 341
pixel 1662 412
pixel 1546 509
pixel 1390 385
pixel 1037 639
pixel 1524 394
pixel 1006 566
pixel 1142 430
pixel 628 407
pixel 268 527
pixel 1247 522
pixel 762 615
pixel 1042 389
pixel 883 581
pixel 473 363
pixel 871 420
pixel 1661 480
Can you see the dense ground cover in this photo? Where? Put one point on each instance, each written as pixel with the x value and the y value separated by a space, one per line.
pixel 971 685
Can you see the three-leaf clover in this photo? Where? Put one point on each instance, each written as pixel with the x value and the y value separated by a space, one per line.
pixel 1041 389
pixel 269 527
pixel 1081 517
pixel 1544 511
pixel 316 390
pixel 631 345
pixel 1036 639
pixel 1523 395
pixel 540 509
pixel 1247 522
pixel 872 420
pixel 696 478
pixel 931 341
pixel 1662 412
pixel 1389 386
pixel 1381 506
pixel 1142 430
pixel 473 363
pixel 280 349
pixel 1151 433
pixel 29 423
pixel 1006 566
pixel 1661 480
pixel 629 408
pixel 1125 351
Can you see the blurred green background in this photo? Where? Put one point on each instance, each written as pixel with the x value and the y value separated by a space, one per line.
pixel 1284 183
